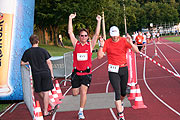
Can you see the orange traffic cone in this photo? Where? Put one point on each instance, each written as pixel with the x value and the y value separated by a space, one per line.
pixel 55 96
pixel 38 113
pixel 58 89
pixel 138 99
pixel 132 92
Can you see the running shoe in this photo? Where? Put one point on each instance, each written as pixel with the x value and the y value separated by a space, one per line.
pixel 121 116
pixel 81 116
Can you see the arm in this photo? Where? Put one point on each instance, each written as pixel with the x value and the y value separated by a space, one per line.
pixel 134 47
pixel 24 63
pixel 96 35
pixel 50 67
pixel 100 53
pixel 70 30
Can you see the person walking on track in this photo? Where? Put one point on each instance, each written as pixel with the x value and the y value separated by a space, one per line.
pixel 116 48
pixel 42 72
pixel 139 41
pixel 82 73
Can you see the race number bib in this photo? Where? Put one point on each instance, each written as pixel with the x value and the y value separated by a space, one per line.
pixel 82 56
pixel 113 68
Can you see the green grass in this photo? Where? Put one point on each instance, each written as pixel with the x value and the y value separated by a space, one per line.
pixel 174 39
pixel 59 51
pixel 55 50
pixel 3 107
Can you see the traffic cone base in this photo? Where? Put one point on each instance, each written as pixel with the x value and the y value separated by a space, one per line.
pixel 138 100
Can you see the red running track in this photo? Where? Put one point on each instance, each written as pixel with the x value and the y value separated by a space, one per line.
pixel 164 85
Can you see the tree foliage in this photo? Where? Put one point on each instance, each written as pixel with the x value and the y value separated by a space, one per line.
pixel 51 16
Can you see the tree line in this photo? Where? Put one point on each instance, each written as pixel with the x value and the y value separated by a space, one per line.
pixel 51 16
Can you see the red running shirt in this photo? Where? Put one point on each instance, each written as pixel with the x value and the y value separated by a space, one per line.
pixel 139 39
pixel 82 57
pixel 116 51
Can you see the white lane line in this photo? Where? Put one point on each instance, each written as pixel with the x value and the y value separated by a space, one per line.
pixel 92 71
pixel 144 71
pixel 112 112
pixel 71 86
pixel 7 110
pixel 149 78
pixel 168 61
pixel 172 47
pixel 99 66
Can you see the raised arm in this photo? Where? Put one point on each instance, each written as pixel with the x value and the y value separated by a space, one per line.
pixel 134 47
pixel 100 53
pixel 70 30
pixel 96 35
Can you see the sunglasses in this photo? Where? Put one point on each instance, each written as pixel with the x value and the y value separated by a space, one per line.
pixel 83 35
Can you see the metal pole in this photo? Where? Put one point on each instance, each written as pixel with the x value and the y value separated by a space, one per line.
pixel 125 26
pixel 103 26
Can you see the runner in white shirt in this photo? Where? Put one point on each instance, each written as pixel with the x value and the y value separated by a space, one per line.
pixel 153 36
pixel 134 37
pixel 144 41
pixel 148 36
pixel 158 36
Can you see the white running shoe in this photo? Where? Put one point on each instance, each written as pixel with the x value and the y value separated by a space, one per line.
pixel 81 116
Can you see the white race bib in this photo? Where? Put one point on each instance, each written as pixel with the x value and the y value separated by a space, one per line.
pixel 82 56
pixel 113 68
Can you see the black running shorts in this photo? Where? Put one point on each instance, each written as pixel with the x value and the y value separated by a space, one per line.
pixel 77 80
pixel 42 82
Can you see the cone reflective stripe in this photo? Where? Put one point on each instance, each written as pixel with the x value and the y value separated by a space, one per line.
pixel 38 113
pixel 51 98
pixel 58 89
pixel 55 96
pixel 138 100
pixel 155 52
pixel 132 93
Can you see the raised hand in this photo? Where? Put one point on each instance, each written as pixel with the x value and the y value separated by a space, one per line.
pixel 72 16
pixel 129 39
pixel 98 18
pixel 101 41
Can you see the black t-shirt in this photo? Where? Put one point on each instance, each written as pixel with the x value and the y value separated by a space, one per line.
pixel 37 57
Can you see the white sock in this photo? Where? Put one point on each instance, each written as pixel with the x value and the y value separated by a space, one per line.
pixel 81 109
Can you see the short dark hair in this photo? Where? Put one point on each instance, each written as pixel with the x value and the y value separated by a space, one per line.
pixel 83 29
pixel 34 39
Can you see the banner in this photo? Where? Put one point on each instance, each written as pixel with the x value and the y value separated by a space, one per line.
pixel 16 26
pixel 131 61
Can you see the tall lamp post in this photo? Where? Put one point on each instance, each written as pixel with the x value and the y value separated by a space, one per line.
pixel 125 26
pixel 103 26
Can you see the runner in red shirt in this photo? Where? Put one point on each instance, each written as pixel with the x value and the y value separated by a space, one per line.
pixel 116 48
pixel 81 76
pixel 139 41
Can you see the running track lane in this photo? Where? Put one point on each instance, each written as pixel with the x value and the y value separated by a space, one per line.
pixel 165 85
pixel 162 83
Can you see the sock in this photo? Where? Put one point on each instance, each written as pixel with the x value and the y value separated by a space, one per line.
pixel 121 115
pixel 81 109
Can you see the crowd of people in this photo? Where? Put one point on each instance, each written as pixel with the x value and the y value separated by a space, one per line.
pixel 141 39
pixel 115 48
